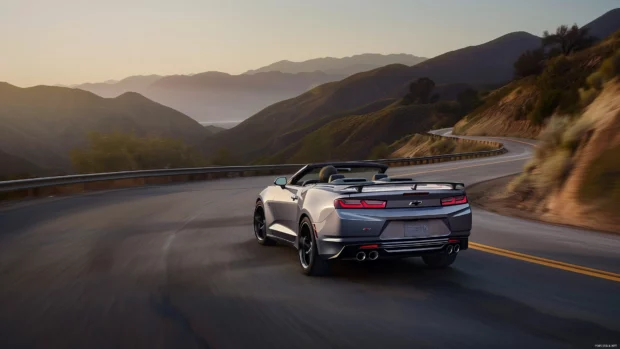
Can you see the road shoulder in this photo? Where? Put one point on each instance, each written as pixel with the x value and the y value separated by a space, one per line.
pixel 491 195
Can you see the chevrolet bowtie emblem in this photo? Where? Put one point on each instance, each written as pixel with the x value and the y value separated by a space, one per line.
pixel 415 203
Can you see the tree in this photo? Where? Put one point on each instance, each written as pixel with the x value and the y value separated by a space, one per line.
pixel 468 100
pixel 381 151
pixel 568 40
pixel 531 62
pixel 420 91
pixel 128 152
pixel 223 157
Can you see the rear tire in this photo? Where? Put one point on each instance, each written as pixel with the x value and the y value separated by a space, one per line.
pixel 260 226
pixel 439 260
pixel 311 262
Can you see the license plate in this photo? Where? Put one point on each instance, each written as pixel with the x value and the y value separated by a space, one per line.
pixel 417 230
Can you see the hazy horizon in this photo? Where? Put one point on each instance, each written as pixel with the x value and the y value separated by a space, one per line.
pixel 70 42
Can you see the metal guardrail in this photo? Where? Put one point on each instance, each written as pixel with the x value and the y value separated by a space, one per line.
pixel 34 183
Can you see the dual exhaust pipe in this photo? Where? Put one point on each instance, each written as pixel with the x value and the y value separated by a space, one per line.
pixel 372 255
pixel 453 249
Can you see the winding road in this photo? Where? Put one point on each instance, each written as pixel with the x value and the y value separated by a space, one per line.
pixel 177 266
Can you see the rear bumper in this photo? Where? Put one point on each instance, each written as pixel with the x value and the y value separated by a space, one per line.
pixel 346 248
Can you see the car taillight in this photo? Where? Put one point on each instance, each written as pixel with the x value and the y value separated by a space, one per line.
pixel 454 200
pixel 346 203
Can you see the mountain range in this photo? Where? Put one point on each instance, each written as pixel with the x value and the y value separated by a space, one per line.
pixel 341 66
pixel 486 66
pixel 490 64
pixel 219 97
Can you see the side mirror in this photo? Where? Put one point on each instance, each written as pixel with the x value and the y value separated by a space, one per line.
pixel 281 181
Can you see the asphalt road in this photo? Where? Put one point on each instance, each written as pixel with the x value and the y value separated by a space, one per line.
pixel 177 267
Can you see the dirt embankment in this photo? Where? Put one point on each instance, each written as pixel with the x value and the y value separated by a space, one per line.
pixel 574 178
pixel 503 114
pixel 429 145
pixel 590 195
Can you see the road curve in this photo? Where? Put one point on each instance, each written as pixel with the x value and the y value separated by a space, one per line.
pixel 177 267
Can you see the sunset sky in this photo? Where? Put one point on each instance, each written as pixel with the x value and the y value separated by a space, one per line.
pixel 75 41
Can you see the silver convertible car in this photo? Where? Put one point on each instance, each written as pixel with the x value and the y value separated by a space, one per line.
pixel 355 211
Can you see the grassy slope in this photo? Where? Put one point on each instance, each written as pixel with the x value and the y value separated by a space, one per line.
pixel 353 137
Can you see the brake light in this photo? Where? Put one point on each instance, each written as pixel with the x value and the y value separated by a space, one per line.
pixel 454 200
pixel 373 203
pixel 346 203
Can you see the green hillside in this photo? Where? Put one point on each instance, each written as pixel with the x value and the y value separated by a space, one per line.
pixel 42 124
pixel 354 136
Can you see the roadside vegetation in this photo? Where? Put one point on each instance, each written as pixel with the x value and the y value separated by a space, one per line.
pixel 575 173
pixel 128 152
pixel 560 78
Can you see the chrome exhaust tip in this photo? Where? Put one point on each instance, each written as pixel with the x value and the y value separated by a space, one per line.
pixel 373 255
pixel 457 248
pixel 449 249
pixel 360 256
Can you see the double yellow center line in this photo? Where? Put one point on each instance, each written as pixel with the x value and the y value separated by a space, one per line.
pixel 546 262
pixel 521 256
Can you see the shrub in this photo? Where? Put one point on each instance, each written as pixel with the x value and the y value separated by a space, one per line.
pixel 553 170
pixel 568 40
pixel 552 135
pixel 602 182
pixel 127 152
pixel 530 166
pixel 381 151
pixel 610 68
pixel 587 96
pixel 545 106
pixel 521 184
pixel 529 63
pixel 595 80
pixel 468 100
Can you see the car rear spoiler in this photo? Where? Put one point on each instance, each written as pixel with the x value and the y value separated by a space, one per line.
pixel 414 184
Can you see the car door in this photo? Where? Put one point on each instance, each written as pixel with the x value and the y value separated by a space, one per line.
pixel 283 206
pixel 291 207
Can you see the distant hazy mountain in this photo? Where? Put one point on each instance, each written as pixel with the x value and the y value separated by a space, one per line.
pixel 112 88
pixel 214 129
pixel 341 66
pixel 40 125
pixel 215 96
pixel 219 97
pixel 605 25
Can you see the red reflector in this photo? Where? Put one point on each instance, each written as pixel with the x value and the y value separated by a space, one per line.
pixel 453 241
pixel 346 203
pixel 369 246
pixel 454 200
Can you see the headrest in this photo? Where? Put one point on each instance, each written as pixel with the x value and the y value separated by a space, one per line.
pixel 326 172
pixel 379 176
pixel 335 177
